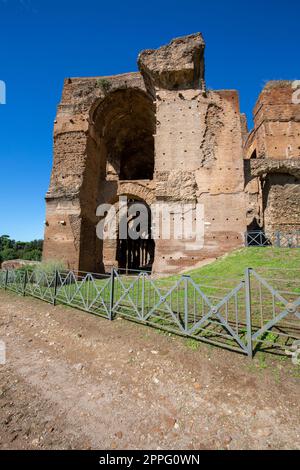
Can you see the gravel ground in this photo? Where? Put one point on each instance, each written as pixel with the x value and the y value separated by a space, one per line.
pixel 75 381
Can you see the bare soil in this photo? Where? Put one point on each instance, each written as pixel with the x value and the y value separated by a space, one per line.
pixel 75 381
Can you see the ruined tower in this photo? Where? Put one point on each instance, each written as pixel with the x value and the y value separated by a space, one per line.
pixel 158 135
pixel 272 161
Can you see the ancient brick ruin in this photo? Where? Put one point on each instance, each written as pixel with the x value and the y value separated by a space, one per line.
pixel 159 135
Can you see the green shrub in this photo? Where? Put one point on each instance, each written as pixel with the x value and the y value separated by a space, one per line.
pixel 49 267
pixel 26 267
pixel 104 84
pixel 44 272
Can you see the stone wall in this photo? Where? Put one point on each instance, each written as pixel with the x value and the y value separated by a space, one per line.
pixel 199 144
pixel 77 172
pixel 272 153
pixel 17 264
pixel 277 123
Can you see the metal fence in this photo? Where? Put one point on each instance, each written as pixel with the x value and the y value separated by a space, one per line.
pixel 277 238
pixel 259 311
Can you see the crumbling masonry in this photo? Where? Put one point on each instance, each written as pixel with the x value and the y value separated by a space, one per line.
pixel 159 135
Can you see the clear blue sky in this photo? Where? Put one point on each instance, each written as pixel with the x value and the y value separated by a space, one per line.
pixel 43 41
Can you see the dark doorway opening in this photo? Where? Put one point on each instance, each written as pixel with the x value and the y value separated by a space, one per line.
pixel 136 254
pixel 256 235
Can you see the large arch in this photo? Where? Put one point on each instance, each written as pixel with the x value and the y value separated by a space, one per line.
pixel 120 155
pixel 124 128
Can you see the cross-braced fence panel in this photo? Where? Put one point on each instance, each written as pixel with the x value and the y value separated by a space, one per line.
pixel 204 312
pixel 40 284
pixel 89 292
pixel 277 238
pixel 275 307
pixel 216 312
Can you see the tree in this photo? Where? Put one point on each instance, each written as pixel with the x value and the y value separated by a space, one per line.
pixel 12 249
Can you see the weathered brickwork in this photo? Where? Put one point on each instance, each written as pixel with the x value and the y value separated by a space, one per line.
pixel 272 165
pixel 158 135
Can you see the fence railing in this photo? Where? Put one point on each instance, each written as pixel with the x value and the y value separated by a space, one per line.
pixel 259 311
pixel 278 238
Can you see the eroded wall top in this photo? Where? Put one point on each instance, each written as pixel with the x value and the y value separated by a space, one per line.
pixel 178 65
pixel 276 132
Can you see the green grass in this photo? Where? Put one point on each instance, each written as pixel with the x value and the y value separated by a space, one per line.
pixel 192 344
pixel 234 264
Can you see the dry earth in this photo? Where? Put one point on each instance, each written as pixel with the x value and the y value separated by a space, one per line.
pixel 73 380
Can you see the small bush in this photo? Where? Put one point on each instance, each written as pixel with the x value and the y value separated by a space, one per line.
pixel 44 272
pixel 104 84
pixel 49 267
pixel 26 267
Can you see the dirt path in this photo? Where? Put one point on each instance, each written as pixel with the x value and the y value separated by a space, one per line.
pixel 73 380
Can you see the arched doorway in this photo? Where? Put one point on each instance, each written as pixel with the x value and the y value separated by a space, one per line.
pixel 124 128
pixel 136 253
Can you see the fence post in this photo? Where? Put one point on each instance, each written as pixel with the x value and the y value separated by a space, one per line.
pixel 55 287
pixel 112 291
pixel 143 294
pixel 25 283
pixel 6 280
pixel 248 312
pixel 186 304
pixel 278 241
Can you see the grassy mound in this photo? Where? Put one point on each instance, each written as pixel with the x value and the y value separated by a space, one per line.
pixel 233 265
